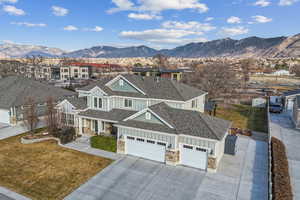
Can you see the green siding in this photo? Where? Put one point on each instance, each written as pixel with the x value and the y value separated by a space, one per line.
pixel 126 87
pixel 153 119
pixel 137 104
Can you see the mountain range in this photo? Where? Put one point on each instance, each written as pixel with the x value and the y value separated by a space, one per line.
pixel 248 47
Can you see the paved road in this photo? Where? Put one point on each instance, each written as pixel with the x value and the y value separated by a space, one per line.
pixel 282 127
pixel 242 177
pixel 3 197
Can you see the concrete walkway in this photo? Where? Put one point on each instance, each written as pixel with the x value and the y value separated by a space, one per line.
pixel 10 131
pixel 6 194
pixel 83 144
pixel 282 128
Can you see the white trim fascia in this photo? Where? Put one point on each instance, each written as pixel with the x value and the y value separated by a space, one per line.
pixel 152 112
pixel 97 87
pixel 201 138
pixel 120 76
pixel 93 118
pixel 146 130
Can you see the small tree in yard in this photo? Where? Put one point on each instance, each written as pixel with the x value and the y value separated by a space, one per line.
pixel 30 114
pixel 51 116
pixel 296 70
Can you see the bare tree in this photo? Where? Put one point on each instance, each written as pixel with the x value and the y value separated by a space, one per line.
pixel 161 60
pixel 296 70
pixel 30 114
pixel 246 65
pixel 217 79
pixel 51 116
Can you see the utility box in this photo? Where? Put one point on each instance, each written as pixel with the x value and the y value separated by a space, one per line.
pixel 230 145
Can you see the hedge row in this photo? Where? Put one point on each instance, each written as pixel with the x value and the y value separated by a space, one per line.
pixel 280 172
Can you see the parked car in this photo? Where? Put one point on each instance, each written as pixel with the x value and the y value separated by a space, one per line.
pixel 275 108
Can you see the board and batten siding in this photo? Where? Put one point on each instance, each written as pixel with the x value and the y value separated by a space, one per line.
pixel 153 119
pixel 200 104
pixel 125 87
pixel 169 139
pixel 104 103
pixel 199 142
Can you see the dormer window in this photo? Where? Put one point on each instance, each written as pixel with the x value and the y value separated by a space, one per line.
pixel 194 103
pixel 121 82
pixel 148 115
pixel 127 103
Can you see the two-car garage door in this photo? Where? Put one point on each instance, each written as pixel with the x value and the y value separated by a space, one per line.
pixel 146 148
pixel 193 156
pixel 4 116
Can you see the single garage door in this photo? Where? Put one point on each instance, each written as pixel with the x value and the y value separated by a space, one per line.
pixel 193 156
pixel 146 148
pixel 4 116
pixel 290 104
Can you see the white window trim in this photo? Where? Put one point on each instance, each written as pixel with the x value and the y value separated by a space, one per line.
pixel 148 115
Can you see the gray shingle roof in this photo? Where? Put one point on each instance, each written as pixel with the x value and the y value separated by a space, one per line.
pixel 113 115
pixel 78 103
pixel 184 122
pixel 158 89
pixel 292 92
pixel 15 89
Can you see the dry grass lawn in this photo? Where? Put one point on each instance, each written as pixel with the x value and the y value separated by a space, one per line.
pixel 245 117
pixel 45 170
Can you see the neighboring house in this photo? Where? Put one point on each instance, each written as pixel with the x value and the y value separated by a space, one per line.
pixel 75 72
pixel 296 112
pixel 289 98
pixel 259 102
pixel 157 119
pixel 14 91
pixel 173 74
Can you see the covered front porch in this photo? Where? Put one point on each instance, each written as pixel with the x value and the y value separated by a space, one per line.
pixel 93 126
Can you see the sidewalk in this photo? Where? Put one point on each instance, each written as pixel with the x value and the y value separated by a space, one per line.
pixel 282 128
pixel 6 194
pixel 83 144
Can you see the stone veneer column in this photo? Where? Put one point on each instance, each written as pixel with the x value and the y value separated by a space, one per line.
pixel 172 157
pixel 121 146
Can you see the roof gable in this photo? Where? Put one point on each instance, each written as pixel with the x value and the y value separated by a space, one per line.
pixel 121 84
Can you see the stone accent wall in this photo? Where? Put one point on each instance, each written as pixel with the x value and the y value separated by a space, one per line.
pixel 172 157
pixel 13 120
pixel 121 146
pixel 212 163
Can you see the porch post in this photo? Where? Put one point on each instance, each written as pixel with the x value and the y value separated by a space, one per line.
pixel 80 126
pixel 99 126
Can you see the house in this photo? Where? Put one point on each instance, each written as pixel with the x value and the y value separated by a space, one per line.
pixel 296 112
pixel 173 74
pixel 289 98
pixel 71 72
pixel 259 102
pixel 14 91
pixel 156 119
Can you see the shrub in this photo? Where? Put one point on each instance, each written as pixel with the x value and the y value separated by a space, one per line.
pixel 280 172
pixel 66 135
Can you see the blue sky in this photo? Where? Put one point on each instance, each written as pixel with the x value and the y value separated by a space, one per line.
pixel 76 24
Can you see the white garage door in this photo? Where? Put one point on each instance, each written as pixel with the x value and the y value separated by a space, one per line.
pixel 145 148
pixel 4 116
pixel 193 156
pixel 290 104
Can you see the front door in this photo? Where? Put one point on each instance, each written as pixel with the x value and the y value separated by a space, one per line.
pixel 95 126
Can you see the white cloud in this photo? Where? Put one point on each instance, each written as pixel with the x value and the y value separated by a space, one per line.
pixel 12 10
pixel 262 3
pixel 233 31
pixel 234 20
pixel 29 24
pixel 143 16
pixel 261 19
pixel 207 19
pixel 96 29
pixel 166 36
pixel 8 1
pixel 157 6
pixel 59 11
pixel 287 2
pixel 70 28
pixel 7 42
pixel 191 25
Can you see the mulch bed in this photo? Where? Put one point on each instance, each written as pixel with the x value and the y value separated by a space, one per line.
pixel 282 189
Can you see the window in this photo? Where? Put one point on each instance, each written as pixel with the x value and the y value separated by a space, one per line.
pixel 127 103
pixel 83 70
pixel 194 103
pixel 130 138
pixel 95 102
pixel 150 141
pixel 121 82
pixel 76 70
pixel 66 70
pixel 140 139
pixel 187 147
pixel 200 149
pixel 148 115
pixel 161 143
pixel 100 103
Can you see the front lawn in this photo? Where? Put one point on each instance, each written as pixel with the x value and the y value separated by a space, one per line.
pixel 45 170
pixel 245 117
pixel 104 142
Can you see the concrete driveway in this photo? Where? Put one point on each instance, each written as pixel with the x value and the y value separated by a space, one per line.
pixel 243 176
pixel 282 127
